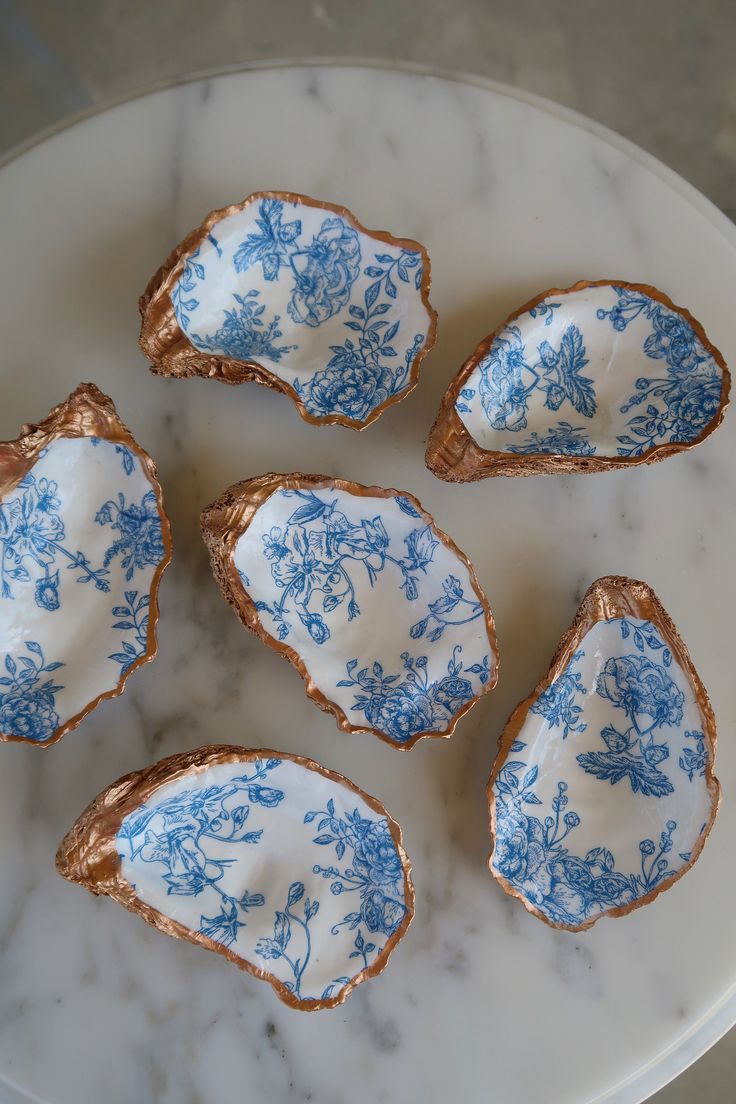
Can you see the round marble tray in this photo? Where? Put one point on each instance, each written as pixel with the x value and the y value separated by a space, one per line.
pixel 481 1001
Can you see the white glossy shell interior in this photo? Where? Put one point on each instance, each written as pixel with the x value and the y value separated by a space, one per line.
pixel 80 542
pixel 383 614
pixel 292 871
pixel 604 371
pixel 296 288
pixel 603 796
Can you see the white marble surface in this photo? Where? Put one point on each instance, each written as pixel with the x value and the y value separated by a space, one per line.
pixel 481 1000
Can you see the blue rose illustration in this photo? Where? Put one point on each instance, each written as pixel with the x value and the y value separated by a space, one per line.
pixel 452 692
pixel 381 913
pixel 502 391
pixel 520 851
pixel 31 716
pixel 694 404
pixel 140 543
pixel 673 340
pixel 377 856
pixel 347 386
pixel 641 687
pixel 325 273
pixel 401 713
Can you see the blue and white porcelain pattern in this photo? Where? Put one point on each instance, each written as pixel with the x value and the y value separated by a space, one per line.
pixel 337 313
pixel 602 370
pixel 383 613
pixel 80 544
pixel 602 798
pixel 296 873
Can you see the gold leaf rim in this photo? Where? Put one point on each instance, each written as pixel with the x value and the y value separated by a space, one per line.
pixel 87 412
pixel 225 521
pixel 171 354
pixel 454 455
pixel 87 855
pixel 609 598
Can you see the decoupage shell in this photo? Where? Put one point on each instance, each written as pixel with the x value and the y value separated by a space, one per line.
pixel 84 540
pixel 376 607
pixel 603 791
pixel 296 294
pixel 601 375
pixel 269 859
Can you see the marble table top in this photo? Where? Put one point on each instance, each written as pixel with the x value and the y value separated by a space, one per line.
pixel 481 1000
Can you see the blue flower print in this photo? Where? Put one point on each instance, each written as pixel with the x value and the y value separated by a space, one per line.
pixel 27 701
pixel 402 706
pixel 694 759
pixel 533 854
pixel 32 540
pixel 132 618
pixel 192 272
pixel 285 923
pixel 347 384
pixel 642 688
pixel 325 272
pixel 361 375
pixel 564 439
pixel 545 310
pixel 679 405
pixel 47 592
pixel 243 334
pixel 271 243
pixel 140 543
pixel 507 378
pixel 557 703
pixel 374 871
pixel 503 392
pixel 175 836
pixel 313 556
pixel 451 602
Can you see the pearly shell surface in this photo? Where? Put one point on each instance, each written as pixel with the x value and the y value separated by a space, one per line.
pixel 284 867
pixel 82 546
pixel 297 294
pixel 603 791
pixel 376 607
pixel 598 375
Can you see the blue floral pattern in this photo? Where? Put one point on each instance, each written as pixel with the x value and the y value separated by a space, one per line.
pixel 694 759
pixel 563 438
pixel 361 375
pixel 32 542
pixel 244 335
pixel 54 536
pixel 680 404
pixel 558 705
pixel 27 699
pixel 508 378
pixel 534 856
pixel 139 543
pixel 572 851
pixel 176 833
pixel 641 687
pixel 240 848
pixel 404 705
pixel 521 378
pixel 323 270
pixel 315 569
pixel 132 617
pixel 316 267
pixel 312 557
